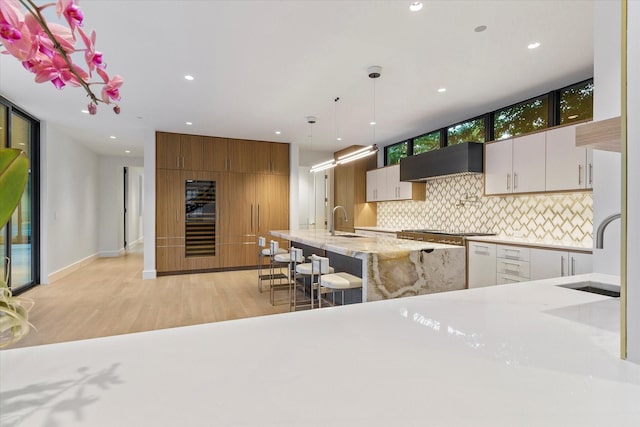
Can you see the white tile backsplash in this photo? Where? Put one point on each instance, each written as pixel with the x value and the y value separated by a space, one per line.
pixel 562 217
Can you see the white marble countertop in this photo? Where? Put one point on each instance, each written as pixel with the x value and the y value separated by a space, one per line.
pixel 530 241
pixel 528 354
pixel 356 245
pixel 379 229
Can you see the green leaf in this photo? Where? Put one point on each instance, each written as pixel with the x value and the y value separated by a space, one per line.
pixel 14 170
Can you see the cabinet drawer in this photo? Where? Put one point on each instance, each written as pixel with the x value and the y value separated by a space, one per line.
pixel 513 253
pixel 505 279
pixel 513 268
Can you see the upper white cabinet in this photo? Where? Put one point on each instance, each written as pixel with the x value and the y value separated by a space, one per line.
pixel 516 165
pixel 568 167
pixel 543 161
pixel 384 185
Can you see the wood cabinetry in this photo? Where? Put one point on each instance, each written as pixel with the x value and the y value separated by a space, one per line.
pixel 252 198
pixel 350 192
pixel 384 184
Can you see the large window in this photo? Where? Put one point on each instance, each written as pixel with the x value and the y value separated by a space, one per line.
pixel 428 142
pixel 471 130
pixel 576 103
pixel 521 118
pixel 19 238
pixel 393 153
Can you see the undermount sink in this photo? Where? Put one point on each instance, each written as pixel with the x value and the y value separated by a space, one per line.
pixel 595 288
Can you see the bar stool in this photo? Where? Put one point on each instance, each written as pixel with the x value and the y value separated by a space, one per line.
pixel 317 266
pixel 270 252
pixel 280 260
pixel 332 283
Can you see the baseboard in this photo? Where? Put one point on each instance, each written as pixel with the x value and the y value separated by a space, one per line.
pixel 111 254
pixel 59 274
pixel 149 274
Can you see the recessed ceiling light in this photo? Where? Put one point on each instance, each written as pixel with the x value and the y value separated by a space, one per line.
pixel 278 132
pixel 112 137
pixel 84 111
pixel 415 6
pixel 442 89
pixel 533 45
pixel 338 139
pixel 189 123
pixel 188 77
pixel 372 123
pixel 480 28
pixel 127 151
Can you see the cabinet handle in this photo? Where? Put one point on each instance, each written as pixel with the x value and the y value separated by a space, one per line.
pixel 182 162
pixel 177 216
pixel 515 181
pixel 579 174
pixel 178 162
pixel 508 181
pixel 561 266
pixel 573 266
pixel 258 217
pixel 252 217
pixel 590 173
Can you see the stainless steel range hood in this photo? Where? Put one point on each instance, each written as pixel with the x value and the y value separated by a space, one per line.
pixel 456 159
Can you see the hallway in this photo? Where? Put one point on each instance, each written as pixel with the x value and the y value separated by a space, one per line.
pixel 109 297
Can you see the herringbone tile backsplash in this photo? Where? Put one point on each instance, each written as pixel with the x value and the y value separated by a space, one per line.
pixel 561 217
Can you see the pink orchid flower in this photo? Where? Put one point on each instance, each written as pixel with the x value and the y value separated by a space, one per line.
pixel 57 71
pixel 41 41
pixel 71 12
pixel 93 108
pixel 111 89
pixel 14 35
pixel 92 57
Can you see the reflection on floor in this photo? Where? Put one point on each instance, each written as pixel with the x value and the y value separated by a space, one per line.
pixel 109 297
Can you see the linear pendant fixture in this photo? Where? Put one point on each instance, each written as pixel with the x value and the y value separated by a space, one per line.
pixel 323 166
pixel 358 154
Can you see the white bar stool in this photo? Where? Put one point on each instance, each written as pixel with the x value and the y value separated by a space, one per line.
pixel 270 252
pixel 332 283
pixel 317 267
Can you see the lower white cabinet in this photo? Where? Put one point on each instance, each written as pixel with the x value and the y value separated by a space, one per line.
pixel 482 264
pixel 496 264
pixel 546 263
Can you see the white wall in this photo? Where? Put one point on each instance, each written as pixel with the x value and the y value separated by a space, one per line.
pixel 633 182
pixel 70 201
pixel 135 203
pixel 111 203
pixel 149 226
pixel 606 104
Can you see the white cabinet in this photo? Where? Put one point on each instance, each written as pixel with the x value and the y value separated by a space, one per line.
pixel 516 165
pixel 512 264
pixel 384 184
pixel 482 264
pixel 547 263
pixel 567 167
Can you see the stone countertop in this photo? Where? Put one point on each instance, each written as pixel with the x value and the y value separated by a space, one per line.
pixel 379 229
pixel 528 241
pixel 527 354
pixel 352 246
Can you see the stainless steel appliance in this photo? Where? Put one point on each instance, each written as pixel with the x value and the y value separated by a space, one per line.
pixel 437 236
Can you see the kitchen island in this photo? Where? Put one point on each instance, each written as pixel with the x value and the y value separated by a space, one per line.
pixel 527 354
pixel 389 267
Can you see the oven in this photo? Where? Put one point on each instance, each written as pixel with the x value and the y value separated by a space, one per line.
pixel 437 236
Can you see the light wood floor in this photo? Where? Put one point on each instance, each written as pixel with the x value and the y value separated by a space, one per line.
pixel 109 297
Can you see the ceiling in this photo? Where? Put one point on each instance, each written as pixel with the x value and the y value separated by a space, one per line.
pixel 262 66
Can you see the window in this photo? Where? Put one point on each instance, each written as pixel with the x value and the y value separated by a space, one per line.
pixel 576 103
pixel 428 142
pixel 393 153
pixel 19 239
pixel 521 118
pixel 471 130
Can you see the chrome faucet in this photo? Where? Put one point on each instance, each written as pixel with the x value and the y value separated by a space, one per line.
pixel 332 228
pixel 602 227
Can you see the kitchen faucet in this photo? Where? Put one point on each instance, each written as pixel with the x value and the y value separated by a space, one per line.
pixel 602 227
pixel 332 228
